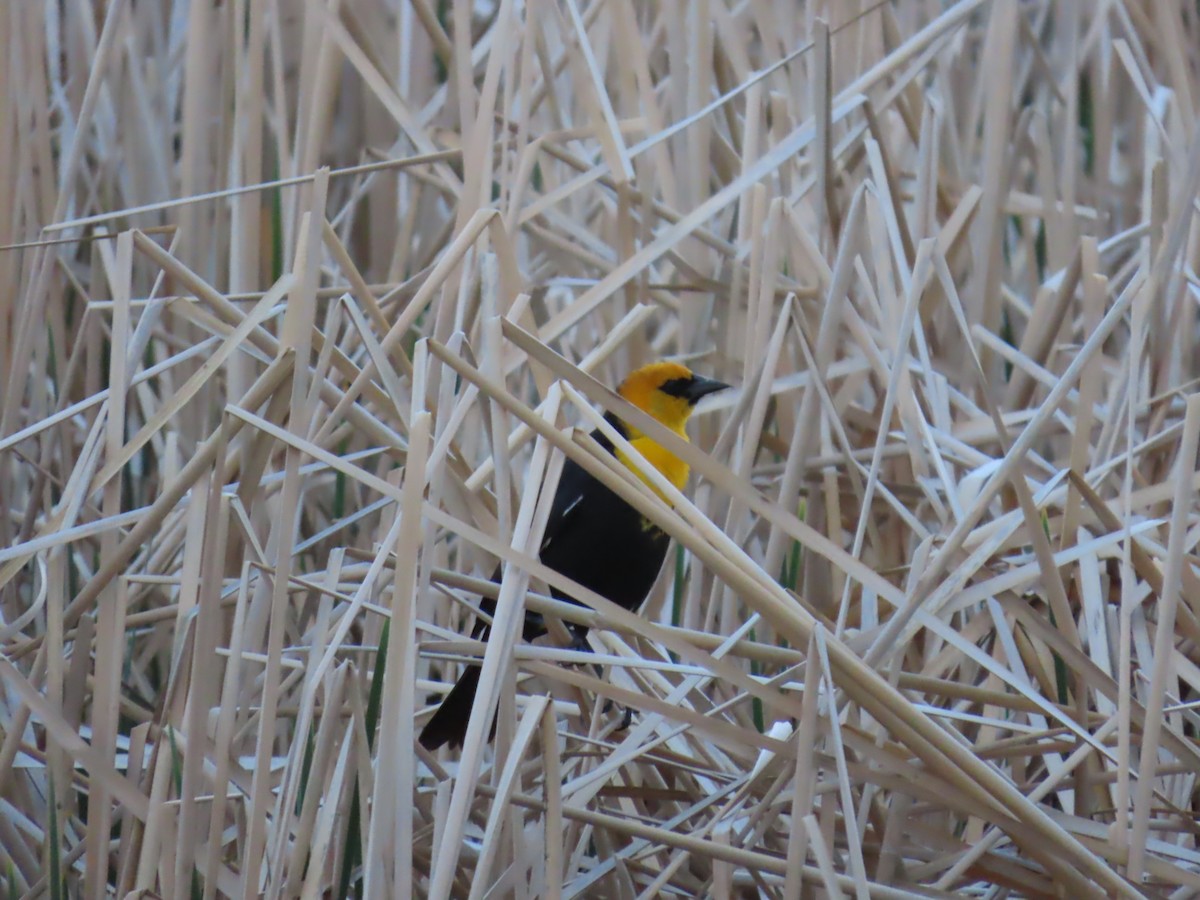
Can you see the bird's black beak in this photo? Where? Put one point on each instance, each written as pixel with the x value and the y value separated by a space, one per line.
pixel 700 387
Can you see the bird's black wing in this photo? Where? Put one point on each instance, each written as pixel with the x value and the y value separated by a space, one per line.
pixel 574 485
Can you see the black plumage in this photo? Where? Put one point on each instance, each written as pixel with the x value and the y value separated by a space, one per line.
pixel 621 567
pixel 592 536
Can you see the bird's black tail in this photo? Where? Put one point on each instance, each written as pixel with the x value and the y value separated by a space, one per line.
pixel 449 723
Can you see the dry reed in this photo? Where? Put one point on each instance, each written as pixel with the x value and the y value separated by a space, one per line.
pixel 300 302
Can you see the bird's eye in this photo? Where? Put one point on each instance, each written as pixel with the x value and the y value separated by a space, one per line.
pixel 677 387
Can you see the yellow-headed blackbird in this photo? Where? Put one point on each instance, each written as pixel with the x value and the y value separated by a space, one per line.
pixel 593 536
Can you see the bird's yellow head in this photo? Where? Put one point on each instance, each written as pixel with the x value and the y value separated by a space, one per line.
pixel 669 392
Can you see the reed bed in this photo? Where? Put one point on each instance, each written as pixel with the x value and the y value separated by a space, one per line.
pixel 300 302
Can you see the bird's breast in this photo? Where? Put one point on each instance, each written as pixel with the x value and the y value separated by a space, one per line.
pixel 674 469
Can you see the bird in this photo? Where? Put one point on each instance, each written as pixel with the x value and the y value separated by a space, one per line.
pixel 592 536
